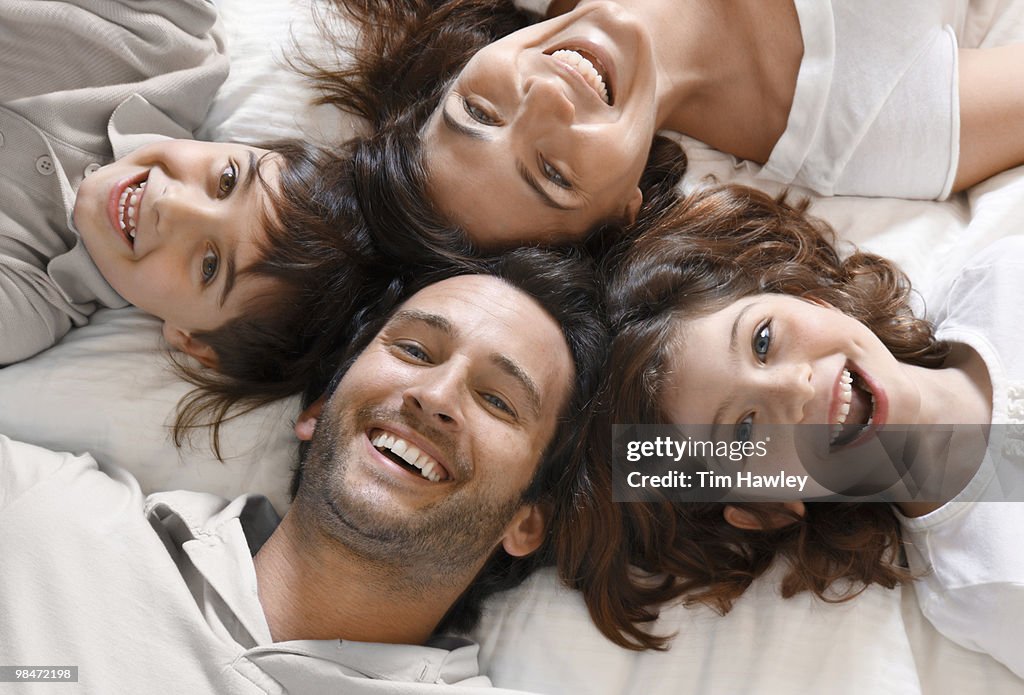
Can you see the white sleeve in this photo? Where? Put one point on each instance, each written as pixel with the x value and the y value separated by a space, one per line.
pixel 982 617
pixel 23 466
pixel 29 323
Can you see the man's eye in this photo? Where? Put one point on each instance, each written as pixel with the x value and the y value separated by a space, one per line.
pixel 744 429
pixel 499 404
pixel 762 340
pixel 554 175
pixel 208 266
pixel 227 181
pixel 478 114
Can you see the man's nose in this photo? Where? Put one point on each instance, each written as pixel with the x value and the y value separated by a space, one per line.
pixel 437 394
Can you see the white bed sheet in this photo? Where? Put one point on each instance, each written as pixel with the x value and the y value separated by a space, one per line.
pixel 107 389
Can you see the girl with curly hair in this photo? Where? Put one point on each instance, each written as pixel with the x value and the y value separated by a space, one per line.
pixel 737 312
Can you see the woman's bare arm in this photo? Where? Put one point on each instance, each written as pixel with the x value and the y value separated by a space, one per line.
pixel 991 112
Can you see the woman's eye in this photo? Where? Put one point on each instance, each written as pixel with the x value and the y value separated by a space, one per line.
pixel 478 114
pixel 554 175
pixel 415 351
pixel 762 340
pixel 499 404
pixel 227 181
pixel 209 266
pixel 744 429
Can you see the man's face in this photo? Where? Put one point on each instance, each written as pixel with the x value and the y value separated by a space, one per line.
pixel 424 449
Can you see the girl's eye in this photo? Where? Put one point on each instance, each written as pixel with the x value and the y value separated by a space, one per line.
pixel 553 175
pixel 227 181
pixel 762 341
pixel 744 429
pixel 209 266
pixel 478 114
pixel 499 404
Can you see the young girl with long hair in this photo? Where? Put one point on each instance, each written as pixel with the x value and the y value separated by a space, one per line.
pixel 738 312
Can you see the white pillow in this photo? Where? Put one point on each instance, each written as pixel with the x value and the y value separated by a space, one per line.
pixel 107 388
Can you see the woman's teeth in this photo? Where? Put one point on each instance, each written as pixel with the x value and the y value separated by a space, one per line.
pixel 585 68
pixel 128 208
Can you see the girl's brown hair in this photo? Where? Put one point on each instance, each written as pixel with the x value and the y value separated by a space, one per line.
pixel 716 246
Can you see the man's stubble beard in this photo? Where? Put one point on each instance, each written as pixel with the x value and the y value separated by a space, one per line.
pixel 442 543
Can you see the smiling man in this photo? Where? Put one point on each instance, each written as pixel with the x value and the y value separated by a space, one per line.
pixel 434 476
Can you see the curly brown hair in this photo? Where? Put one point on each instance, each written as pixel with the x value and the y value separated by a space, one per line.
pixel 716 246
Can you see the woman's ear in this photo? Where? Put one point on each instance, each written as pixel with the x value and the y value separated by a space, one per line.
pixel 183 340
pixel 779 516
pixel 633 206
pixel 525 532
pixel 306 424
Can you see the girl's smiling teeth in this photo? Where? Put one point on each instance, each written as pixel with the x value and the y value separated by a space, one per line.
pixel 585 66
pixel 128 209
pixel 408 455
pixel 854 395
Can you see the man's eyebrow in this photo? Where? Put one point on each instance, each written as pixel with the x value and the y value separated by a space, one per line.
pixel 532 182
pixel 503 362
pixel 433 320
pixel 507 365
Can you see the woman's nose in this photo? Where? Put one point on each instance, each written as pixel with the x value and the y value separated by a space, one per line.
pixel 545 101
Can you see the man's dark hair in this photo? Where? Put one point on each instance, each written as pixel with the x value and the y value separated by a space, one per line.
pixel 563 283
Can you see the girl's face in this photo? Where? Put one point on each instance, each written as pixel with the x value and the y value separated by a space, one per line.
pixel 545 133
pixel 773 359
pixel 171 225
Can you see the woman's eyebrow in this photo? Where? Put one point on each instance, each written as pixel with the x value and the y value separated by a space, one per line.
pixel 461 128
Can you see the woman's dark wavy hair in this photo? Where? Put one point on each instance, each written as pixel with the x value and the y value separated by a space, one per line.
pixel 564 283
pixel 325 267
pixel 717 246
pixel 394 75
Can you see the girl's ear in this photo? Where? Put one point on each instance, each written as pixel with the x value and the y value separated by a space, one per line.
pixel 525 532
pixel 182 340
pixel 779 516
pixel 306 424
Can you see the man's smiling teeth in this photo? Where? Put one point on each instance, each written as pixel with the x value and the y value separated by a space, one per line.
pixel 128 208
pixel 846 397
pixel 585 68
pixel 428 467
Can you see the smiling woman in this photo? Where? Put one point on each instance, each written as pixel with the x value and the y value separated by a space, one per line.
pixel 546 133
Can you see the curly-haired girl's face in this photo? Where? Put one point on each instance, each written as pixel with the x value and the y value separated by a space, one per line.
pixel 545 133
pixel 773 359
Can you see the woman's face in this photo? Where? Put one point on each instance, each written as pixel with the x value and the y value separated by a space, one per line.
pixel 774 359
pixel 545 133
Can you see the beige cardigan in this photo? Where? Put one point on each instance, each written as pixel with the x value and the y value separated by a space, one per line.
pixel 80 83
